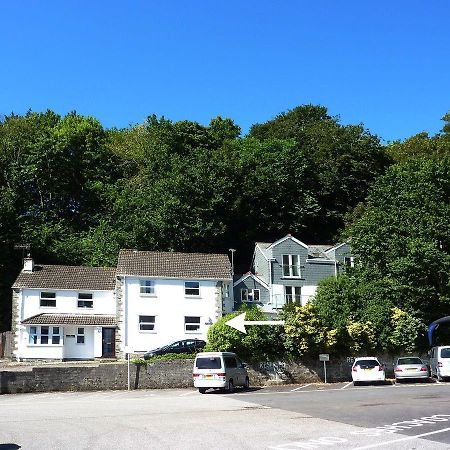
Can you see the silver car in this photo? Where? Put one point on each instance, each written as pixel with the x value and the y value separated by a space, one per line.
pixel 410 367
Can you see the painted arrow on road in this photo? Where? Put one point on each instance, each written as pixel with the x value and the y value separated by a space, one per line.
pixel 239 322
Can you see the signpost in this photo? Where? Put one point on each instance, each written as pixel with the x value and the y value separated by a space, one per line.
pixel 324 357
pixel 127 350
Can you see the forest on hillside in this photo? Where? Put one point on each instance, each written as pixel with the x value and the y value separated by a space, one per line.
pixel 77 193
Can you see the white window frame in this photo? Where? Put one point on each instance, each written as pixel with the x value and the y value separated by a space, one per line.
pixel 35 335
pixel 192 288
pixel 80 337
pixel 295 296
pixel 248 295
pixel 291 266
pixel 349 261
pixel 190 323
pixel 143 322
pixel 43 295
pixel 146 288
pixel 83 302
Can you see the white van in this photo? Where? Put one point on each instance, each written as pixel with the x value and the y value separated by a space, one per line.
pixel 219 370
pixel 440 362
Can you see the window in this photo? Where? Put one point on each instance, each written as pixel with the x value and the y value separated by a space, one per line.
pixel 44 335
pixel 147 323
pixel 85 300
pixel 292 294
pixel 33 336
pixel 349 261
pixel 291 266
pixel 191 324
pixel 48 299
pixel 192 288
pixel 226 290
pixel 250 295
pixel 230 362
pixel 80 335
pixel 147 287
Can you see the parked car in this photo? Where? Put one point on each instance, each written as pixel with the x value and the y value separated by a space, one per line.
pixel 440 362
pixel 367 369
pixel 410 367
pixel 219 370
pixel 183 346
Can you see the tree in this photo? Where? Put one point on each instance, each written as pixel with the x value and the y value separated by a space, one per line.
pixel 261 343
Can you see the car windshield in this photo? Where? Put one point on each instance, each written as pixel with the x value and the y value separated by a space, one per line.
pixel 445 353
pixel 367 363
pixel 208 363
pixel 402 361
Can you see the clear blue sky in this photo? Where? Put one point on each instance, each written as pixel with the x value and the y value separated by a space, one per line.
pixel 383 63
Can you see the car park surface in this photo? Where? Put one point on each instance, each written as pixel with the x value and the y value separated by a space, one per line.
pixel 285 417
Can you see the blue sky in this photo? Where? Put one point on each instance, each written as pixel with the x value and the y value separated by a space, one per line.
pixel 385 64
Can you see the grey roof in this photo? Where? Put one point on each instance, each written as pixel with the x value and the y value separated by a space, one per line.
pixel 318 251
pixel 174 265
pixel 67 277
pixel 71 319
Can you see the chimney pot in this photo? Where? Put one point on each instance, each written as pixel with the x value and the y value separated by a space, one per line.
pixel 28 264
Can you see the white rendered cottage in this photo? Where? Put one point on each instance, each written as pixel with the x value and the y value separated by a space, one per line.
pixel 166 296
pixel 64 312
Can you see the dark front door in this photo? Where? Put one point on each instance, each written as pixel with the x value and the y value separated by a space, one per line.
pixel 108 343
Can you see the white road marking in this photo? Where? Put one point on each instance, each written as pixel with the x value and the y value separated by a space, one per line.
pixel 301 387
pixel 408 438
pixel 347 385
pixel 188 393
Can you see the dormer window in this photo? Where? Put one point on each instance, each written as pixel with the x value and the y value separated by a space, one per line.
pixel 291 266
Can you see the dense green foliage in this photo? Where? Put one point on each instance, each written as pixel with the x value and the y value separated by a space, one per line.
pixel 261 343
pixel 78 193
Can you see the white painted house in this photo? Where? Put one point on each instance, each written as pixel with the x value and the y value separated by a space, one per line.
pixel 150 299
pixel 64 312
pixel 167 296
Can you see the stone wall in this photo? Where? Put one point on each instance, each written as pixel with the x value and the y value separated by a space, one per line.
pixel 161 375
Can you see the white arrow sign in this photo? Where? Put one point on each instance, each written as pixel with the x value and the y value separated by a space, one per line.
pixel 239 322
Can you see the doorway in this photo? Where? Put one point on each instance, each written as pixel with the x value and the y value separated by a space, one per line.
pixel 108 343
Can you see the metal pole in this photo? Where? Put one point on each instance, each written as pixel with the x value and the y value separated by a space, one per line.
pixel 129 371
pixel 325 370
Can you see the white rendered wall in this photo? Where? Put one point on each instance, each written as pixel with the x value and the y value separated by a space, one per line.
pixel 169 305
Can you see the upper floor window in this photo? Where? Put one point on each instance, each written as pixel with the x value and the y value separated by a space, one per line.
pixel 192 288
pixel 292 294
pixel 147 287
pixel 250 295
pixel 147 323
pixel 48 299
pixel 349 261
pixel 226 290
pixel 85 300
pixel 291 266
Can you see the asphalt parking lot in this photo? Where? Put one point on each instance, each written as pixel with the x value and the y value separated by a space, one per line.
pixel 405 416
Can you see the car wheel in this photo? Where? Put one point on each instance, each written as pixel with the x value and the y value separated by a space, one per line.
pixel 439 378
pixel 230 386
pixel 247 383
pixel 202 390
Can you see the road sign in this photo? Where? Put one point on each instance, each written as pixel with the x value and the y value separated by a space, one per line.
pixel 324 357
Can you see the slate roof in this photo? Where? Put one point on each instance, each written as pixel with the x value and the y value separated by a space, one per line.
pixel 67 277
pixel 71 319
pixel 318 251
pixel 174 265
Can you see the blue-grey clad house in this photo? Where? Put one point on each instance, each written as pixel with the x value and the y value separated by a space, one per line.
pixel 288 271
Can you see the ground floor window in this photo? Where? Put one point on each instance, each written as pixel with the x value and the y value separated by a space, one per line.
pixel 147 323
pixel 250 295
pixel 191 324
pixel 292 294
pixel 44 335
pixel 80 335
